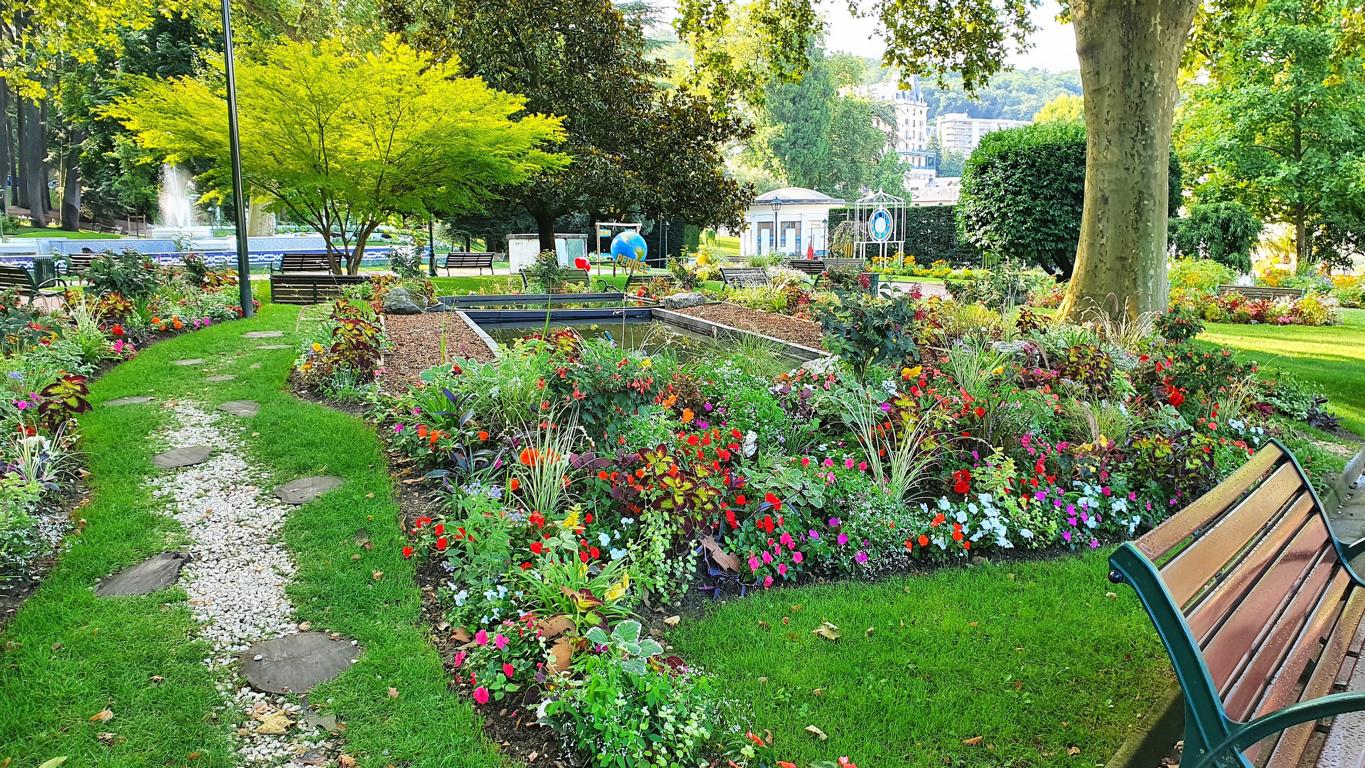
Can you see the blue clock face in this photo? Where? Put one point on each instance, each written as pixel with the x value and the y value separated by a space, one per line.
pixel 879 225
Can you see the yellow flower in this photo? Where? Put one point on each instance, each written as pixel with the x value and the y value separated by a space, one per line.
pixel 911 373
pixel 647 362
pixel 618 590
pixel 999 369
pixel 570 521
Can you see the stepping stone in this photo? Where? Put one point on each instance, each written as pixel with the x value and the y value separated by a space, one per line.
pixel 134 400
pixel 189 361
pixel 274 346
pixel 262 334
pixel 296 663
pixel 219 378
pixel 305 489
pixel 146 577
pixel 255 366
pixel 243 408
pixel 183 456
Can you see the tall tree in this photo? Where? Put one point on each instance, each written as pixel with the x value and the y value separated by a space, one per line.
pixel 1130 55
pixel 346 140
pixel 587 61
pixel 1277 122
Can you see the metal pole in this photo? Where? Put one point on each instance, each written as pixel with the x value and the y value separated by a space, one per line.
pixel 238 199
pixel 431 245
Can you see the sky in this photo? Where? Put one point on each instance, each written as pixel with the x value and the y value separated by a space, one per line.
pixel 1053 45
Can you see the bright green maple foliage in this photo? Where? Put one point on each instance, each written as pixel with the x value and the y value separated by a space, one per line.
pixel 346 140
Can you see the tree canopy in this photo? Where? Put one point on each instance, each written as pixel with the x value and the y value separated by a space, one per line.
pixel 1064 107
pixel 344 140
pixel 1277 122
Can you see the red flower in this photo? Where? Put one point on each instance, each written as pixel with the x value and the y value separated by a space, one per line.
pixel 582 263
pixel 923 540
pixel 962 481
pixel 441 544
pixel 439 529
pixel 537 547
pixel 741 500
pixel 773 500
pixel 407 552
pixel 508 670
pixel 513 485
pixel 483 434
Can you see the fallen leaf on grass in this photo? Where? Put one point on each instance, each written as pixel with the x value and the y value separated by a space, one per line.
pixel 1073 750
pixel 827 631
pixel 346 761
pixel 102 716
pixel 377 575
pixel 673 621
pixel 106 737
pixel 393 693
pixel 816 732
pixel 53 763
pixel 973 741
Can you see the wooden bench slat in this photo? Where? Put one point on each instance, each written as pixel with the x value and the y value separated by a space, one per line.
pixel 1189 571
pixel 1344 633
pixel 1229 648
pixel 1321 591
pixel 1181 525
pixel 1213 608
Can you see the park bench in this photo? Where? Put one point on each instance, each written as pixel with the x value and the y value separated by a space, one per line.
pixel 839 263
pixel 303 261
pixel 1260 612
pixel 77 263
pixel 21 281
pixel 744 277
pixel 808 266
pixel 1259 292
pixel 479 260
pixel 572 280
pixel 310 288
pixel 644 279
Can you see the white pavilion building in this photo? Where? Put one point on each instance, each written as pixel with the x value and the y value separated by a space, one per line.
pixel 798 216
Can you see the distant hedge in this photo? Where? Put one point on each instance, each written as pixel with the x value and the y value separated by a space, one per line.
pixel 930 235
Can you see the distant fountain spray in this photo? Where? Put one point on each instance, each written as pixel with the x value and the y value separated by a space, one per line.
pixel 176 201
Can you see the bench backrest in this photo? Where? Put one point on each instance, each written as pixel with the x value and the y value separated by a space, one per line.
pixel 304 262
pixel 462 259
pixel 744 277
pixel 809 266
pixel 646 279
pixel 310 289
pixel 844 264
pixel 1258 292
pixel 1254 583
pixel 16 278
pixel 80 261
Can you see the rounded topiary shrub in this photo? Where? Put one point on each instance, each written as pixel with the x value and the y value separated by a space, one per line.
pixel 1023 190
pixel 1224 232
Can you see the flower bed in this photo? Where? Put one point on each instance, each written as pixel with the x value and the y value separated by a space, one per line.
pixel 574 485
pixel 46 359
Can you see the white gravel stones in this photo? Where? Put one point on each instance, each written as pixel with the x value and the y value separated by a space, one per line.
pixel 237 574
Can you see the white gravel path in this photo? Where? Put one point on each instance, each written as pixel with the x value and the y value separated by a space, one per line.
pixel 236 576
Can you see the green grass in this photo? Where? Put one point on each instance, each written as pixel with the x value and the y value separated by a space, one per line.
pixel 1034 658
pixel 1333 357
pixel 53 232
pixel 67 655
pixel 727 246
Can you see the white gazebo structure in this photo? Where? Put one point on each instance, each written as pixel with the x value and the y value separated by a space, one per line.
pixel 789 221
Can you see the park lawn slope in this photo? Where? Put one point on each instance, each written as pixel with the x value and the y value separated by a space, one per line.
pixel 1031 664
pixel 68 654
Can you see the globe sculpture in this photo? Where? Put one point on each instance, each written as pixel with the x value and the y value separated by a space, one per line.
pixel 629 246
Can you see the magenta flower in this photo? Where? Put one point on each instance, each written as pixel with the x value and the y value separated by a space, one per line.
pixel 797 557
pixel 753 563
pixel 460 656
pixel 481 637
pixel 481 695
pixel 861 557
pixel 500 641
pixel 842 540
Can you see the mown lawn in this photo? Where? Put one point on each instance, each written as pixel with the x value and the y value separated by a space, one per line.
pixel 1031 664
pixel 67 654
pixel 53 232
pixel 1333 357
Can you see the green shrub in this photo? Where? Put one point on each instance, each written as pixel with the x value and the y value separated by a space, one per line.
pixel 1198 277
pixel 129 274
pixel 1023 190
pixel 1223 232
pixel 866 330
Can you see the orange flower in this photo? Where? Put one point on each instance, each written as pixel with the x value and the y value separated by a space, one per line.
pixel 513 485
pixel 528 456
pixel 483 434
pixel 687 415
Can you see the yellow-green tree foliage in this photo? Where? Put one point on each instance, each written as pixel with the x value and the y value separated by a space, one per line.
pixel 346 140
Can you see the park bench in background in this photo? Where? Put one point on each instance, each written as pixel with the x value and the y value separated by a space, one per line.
pixel 856 264
pixel 78 262
pixel 808 266
pixel 1253 597
pixel 644 279
pixel 20 280
pixel 571 280
pixel 310 288
pixel 744 277
pixel 303 262
pixel 1258 292
pixel 479 260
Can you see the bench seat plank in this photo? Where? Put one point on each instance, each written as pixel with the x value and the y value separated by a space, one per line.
pixel 1182 524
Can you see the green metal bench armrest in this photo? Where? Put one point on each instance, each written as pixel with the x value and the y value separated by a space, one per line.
pixel 1227 752
pixel 1354 549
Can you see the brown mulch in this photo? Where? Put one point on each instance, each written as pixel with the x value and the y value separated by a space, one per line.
pixel 795 330
pixel 417 342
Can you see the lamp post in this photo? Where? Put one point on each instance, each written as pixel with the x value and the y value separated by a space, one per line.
pixel 777 206
pixel 238 199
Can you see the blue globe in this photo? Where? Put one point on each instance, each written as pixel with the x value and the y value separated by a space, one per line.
pixel 630 246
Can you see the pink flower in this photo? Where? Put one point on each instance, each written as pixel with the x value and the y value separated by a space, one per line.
pixel 481 637
pixel 862 466
pixel 500 642
pixel 782 569
pixel 829 462
pixel 767 557
pixel 753 563
pixel 460 656
pixel 481 695
pixel 805 461
pixel 797 557
pixel 509 670
pixel 848 463
pixel 767 581
pixel 842 539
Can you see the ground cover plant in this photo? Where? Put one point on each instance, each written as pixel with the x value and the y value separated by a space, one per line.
pixel 576 485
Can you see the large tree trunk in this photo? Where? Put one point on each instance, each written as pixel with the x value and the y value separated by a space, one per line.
pixel 545 227
pixel 6 143
pixel 71 183
pixel 1129 53
pixel 33 156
